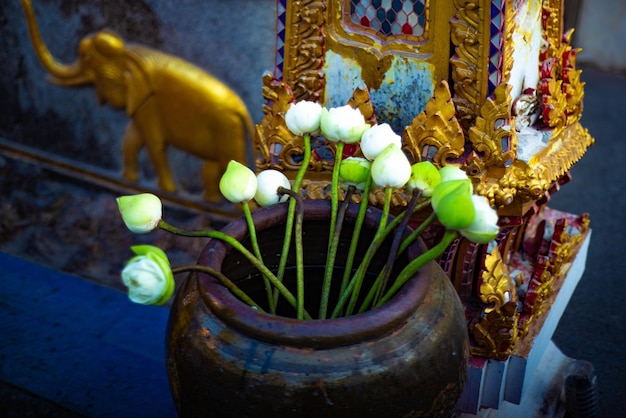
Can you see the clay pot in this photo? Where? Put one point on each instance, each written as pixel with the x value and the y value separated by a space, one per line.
pixel 224 359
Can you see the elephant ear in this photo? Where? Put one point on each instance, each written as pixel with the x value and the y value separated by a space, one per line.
pixel 138 83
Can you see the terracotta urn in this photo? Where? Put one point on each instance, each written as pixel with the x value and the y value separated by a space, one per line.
pixel 224 359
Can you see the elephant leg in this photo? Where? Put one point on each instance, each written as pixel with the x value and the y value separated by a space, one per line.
pixel 131 145
pixel 158 155
pixel 211 174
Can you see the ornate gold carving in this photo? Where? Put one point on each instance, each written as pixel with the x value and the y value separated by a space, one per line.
pixel 435 134
pixel 550 269
pixel 169 102
pixel 526 182
pixel 304 59
pixel 493 129
pixel 553 98
pixel 273 139
pixel 561 154
pixel 496 288
pixel 509 29
pixel 552 22
pixel 468 27
pixel 495 333
pixel 373 51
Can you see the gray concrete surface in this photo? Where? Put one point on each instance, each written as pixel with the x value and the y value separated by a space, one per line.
pixel 593 326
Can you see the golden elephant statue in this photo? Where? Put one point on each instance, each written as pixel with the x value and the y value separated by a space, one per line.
pixel 169 102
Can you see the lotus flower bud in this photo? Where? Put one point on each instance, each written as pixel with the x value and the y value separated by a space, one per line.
pixel 484 227
pixel 268 182
pixel 376 139
pixel 141 213
pixel 391 168
pixel 452 172
pixel 452 202
pixel 343 124
pixel 424 176
pixel 355 171
pixel 148 276
pixel 238 184
pixel 304 118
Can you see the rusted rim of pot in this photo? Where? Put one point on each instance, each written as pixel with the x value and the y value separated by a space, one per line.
pixel 309 333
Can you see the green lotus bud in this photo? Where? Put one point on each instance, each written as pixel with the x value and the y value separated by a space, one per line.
pixel 452 172
pixel 141 213
pixel 304 117
pixel 148 276
pixel 484 228
pixel 377 138
pixel 391 168
pixel 355 171
pixel 452 203
pixel 238 184
pixel 424 176
pixel 343 124
pixel 268 182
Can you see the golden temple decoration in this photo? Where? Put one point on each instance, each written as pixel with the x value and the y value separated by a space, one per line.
pixel 495 333
pixel 274 141
pixel 435 134
pixel 567 247
pixel 561 154
pixel 552 24
pixel 493 130
pixel 304 58
pixel 554 100
pixel 473 123
pixel 550 269
pixel 509 29
pixel 467 29
pixel 496 287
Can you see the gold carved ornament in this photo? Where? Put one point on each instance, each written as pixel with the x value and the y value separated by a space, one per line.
pixel 467 35
pixel 512 185
pixel 495 332
pixel 435 134
pixel 550 270
pixel 304 49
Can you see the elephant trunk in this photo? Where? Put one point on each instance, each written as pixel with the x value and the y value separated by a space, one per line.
pixel 63 74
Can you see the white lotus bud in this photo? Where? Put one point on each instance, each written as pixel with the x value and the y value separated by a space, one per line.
pixel 268 182
pixel 141 213
pixel 376 139
pixel 391 168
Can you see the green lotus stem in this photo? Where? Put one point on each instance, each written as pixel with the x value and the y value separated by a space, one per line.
pixel 360 273
pixel 355 234
pixel 290 214
pixel 334 203
pixel 299 251
pixel 374 245
pixel 417 232
pixel 257 250
pixel 415 265
pixel 225 281
pixel 332 253
pixel 243 250
pixel 405 244
pixel 393 251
